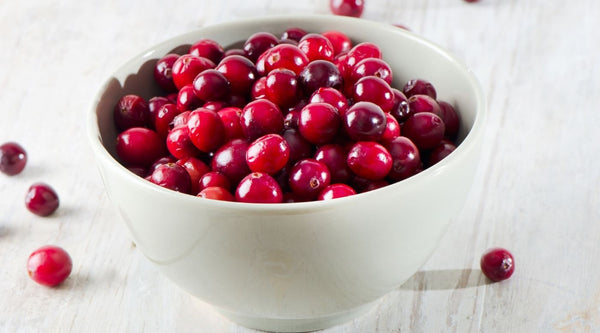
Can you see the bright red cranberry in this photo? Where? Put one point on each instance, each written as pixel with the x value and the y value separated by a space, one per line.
pixel 208 48
pixel 372 67
pixel 164 119
pixel 186 68
pixel 440 152
pixel 294 34
pixel 284 56
pixel 261 117
pixel 392 128
pixel 299 147
pixel 258 187
pixel 268 154
pixel 163 72
pixel 316 47
pixel 334 191
pixel 320 73
pixel 352 8
pixel 375 90
pixel 425 129
pixel 258 43
pixel 230 117
pixel 173 177
pixel 406 159
pixel 419 87
pixel 259 88
pixel 196 169
pixel 216 193
pixel 139 146
pixel 308 178
pixel 230 160
pixel 282 87
pixel 214 179
pixel 131 111
pixel 340 41
pixel 49 265
pixel 332 97
pixel 214 105
pixel 424 103
pixel 364 121
pixel 211 85
pixel 13 158
pixel 370 160
pixel 179 143
pixel 41 199
pixel 187 99
pixel 319 123
pixel 334 157
pixel 180 119
pixel 240 72
pixel 450 118
pixel 206 129
pixel 401 109
pixel 497 264
pixel 154 104
pixel 361 51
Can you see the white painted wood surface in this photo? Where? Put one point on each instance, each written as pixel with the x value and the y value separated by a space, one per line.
pixel 537 191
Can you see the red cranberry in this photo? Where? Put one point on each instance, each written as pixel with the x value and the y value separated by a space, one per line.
pixel 235 51
pixel 319 123
pixel 154 104
pixel 211 85
pixel 214 179
pixel 208 48
pixel 284 56
pixel 497 264
pixel 419 87
pixel 131 111
pixel 41 199
pixel 334 191
pixel 316 47
pixel 352 8
pixel 206 129
pixel 293 34
pixel 376 90
pixel 424 103
pixel 299 147
pixel 164 119
pixel 308 178
pixel 450 118
pixel 319 73
pixel 258 43
pixel 258 187
pixel 179 143
pixel 230 117
pixel 365 121
pixel 163 72
pixel 173 177
pixel 230 160
pixel 238 101
pixel 187 99
pixel 180 119
pixel 187 67
pixel 261 117
pixel 268 154
pixel 13 158
pixel 216 193
pixel 196 169
pixel 332 97
pixel 138 171
pixel 240 72
pixel 400 110
pixel 259 88
pixel 334 157
pixel 406 159
pixel 282 87
pixel 392 128
pixel 372 67
pixel 214 105
pixel 291 119
pixel 440 152
pixel 370 160
pixel 139 146
pixel 365 185
pixel 161 161
pixel 341 42
pixel 49 265
pixel 425 129
pixel 361 51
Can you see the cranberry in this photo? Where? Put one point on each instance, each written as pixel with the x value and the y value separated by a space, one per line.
pixel 131 111
pixel 319 123
pixel 164 118
pixel 299 147
pixel 424 103
pixel 216 193
pixel 211 85
pixel 138 171
pixel 41 199
pixel 238 101
pixel 258 187
pixel 440 152
pixel 230 117
pixel 419 87
pixel 196 169
pixel 214 179
pixel 259 88
pixel 293 34
pixel 139 146
pixel 230 160
pixel 163 72
pixel 401 109
pixel 406 159
pixel 291 119
pixel 240 72
pixel 425 129
pixel 154 104
pixel 206 129
pixel 261 117
pixel 332 97
pixel 365 121
pixel 179 143
pixel 365 185
pixel 284 56
pixel 13 158
pixel 334 157
pixel 214 105
pixel 370 160
pixel 235 51
pixel 361 51
pixel 187 99
pixel 258 43
pixel 173 177
pixel 180 119
pixel 208 48
pixel 282 87
pixel 376 90
pixel 49 265
pixel 316 47
pixel 161 161
pixel 341 42
pixel 268 154
pixel 334 191
pixel 352 8
pixel 308 178
pixel 372 67
pixel 187 67
pixel 450 118
pixel 497 264
pixel 392 128
pixel 320 73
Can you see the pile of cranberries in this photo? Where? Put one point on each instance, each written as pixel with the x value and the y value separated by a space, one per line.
pixel 302 117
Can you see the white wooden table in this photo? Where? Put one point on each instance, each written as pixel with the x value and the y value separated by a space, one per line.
pixel 537 191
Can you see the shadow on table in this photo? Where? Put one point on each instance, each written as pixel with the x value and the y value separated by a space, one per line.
pixel 445 279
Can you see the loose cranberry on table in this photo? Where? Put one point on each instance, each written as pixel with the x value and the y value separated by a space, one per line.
pixel 352 8
pixel 41 199
pixel 49 265
pixel 13 158
pixel 497 264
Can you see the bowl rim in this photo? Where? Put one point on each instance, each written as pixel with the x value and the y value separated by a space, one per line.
pixel 475 133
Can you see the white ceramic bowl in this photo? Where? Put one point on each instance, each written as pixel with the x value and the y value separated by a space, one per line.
pixel 299 266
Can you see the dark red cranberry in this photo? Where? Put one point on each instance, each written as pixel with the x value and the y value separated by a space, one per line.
pixel 13 158
pixel 316 47
pixel 319 123
pixel 332 97
pixel 163 72
pixel 230 160
pixel 138 171
pixel 352 8
pixel 299 147
pixel 196 169
pixel 187 99
pixel 268 154
pixel 180 119
pixel 258 187
pixel 41 199
pixel 238 101
pixel 261 117
pixel 320 73
pixel 497 264
pixel 450 118
pixel 131 111
pixel 406 158
pixel 400 110
pixel 154 104
pixel 259 88
pixel 365 185
pixel 216 193
pixel 308 178
pixel 214 105
pixel 364 121
pixel 173 177
pixel 139 146
pixel 440 152
pixel 425 129
pixel 49 265
pixel 291 119
pixel 334 191
pixel 161 161
pixel 340 41
pixel 240 72
pixel 208 48
pixel 206 129
pixel 375 90
pixel 372 67
pixel 370 160
pixel 179 143
pixel 187 67
pixel 235 51
pixel 294 34
pixel 282 87
pixel 284 56
pixel 214 179
pixel 471 1
pixel 361 51
pixel 392 128
pixel 419 87
pixel 164 119
pixel 258 43
pixel 230 117
pixel 211 85
pixel 424 103
pixel 334 157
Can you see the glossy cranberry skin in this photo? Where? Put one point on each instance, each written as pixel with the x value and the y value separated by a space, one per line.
pixel 230 117
pixel 369 160
pixel 214 105
pixel 282 87
pixel 131 111
pixel 339 41
pixel 425 129
pixel 450 118
pixel 308 177
pixel 291 119
pixel 352 8
pixel 211 85
pixel 440 152
pixel 180 119
pixel 235 51
pixel 316 47
pixel 401 109
pixel 375 90
pixel 259 88
pixel 406 158
pixel 208 48
pixel 195 169
pixel 216 193
pixel 268 154
pixel 424 103
pixel 372 67
pixel 497 264
pixel 294 34
pixel 258 187
pixel 13 158
pixel 163 72
pixel 300 148
pixel 258 43
pixel 334 157
pixel 206 129
pixel 139 146
pixel 214 179
pixel 335 191
pixel 419 87
pixel 392 128
pixel 161 161
pixel 361 51
pixel 186 68
pixel 240 72
pixel 41 199
pixel 164 119
pixel 319 123
pixel 49 265
pixel 230 160
pixel 187 99
pixel 318 74
pixel 332 97
pixel 154 104
pixel 173 177
pixel 364 121
pixel 261 117
pixel 284 56
pixel 179 143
